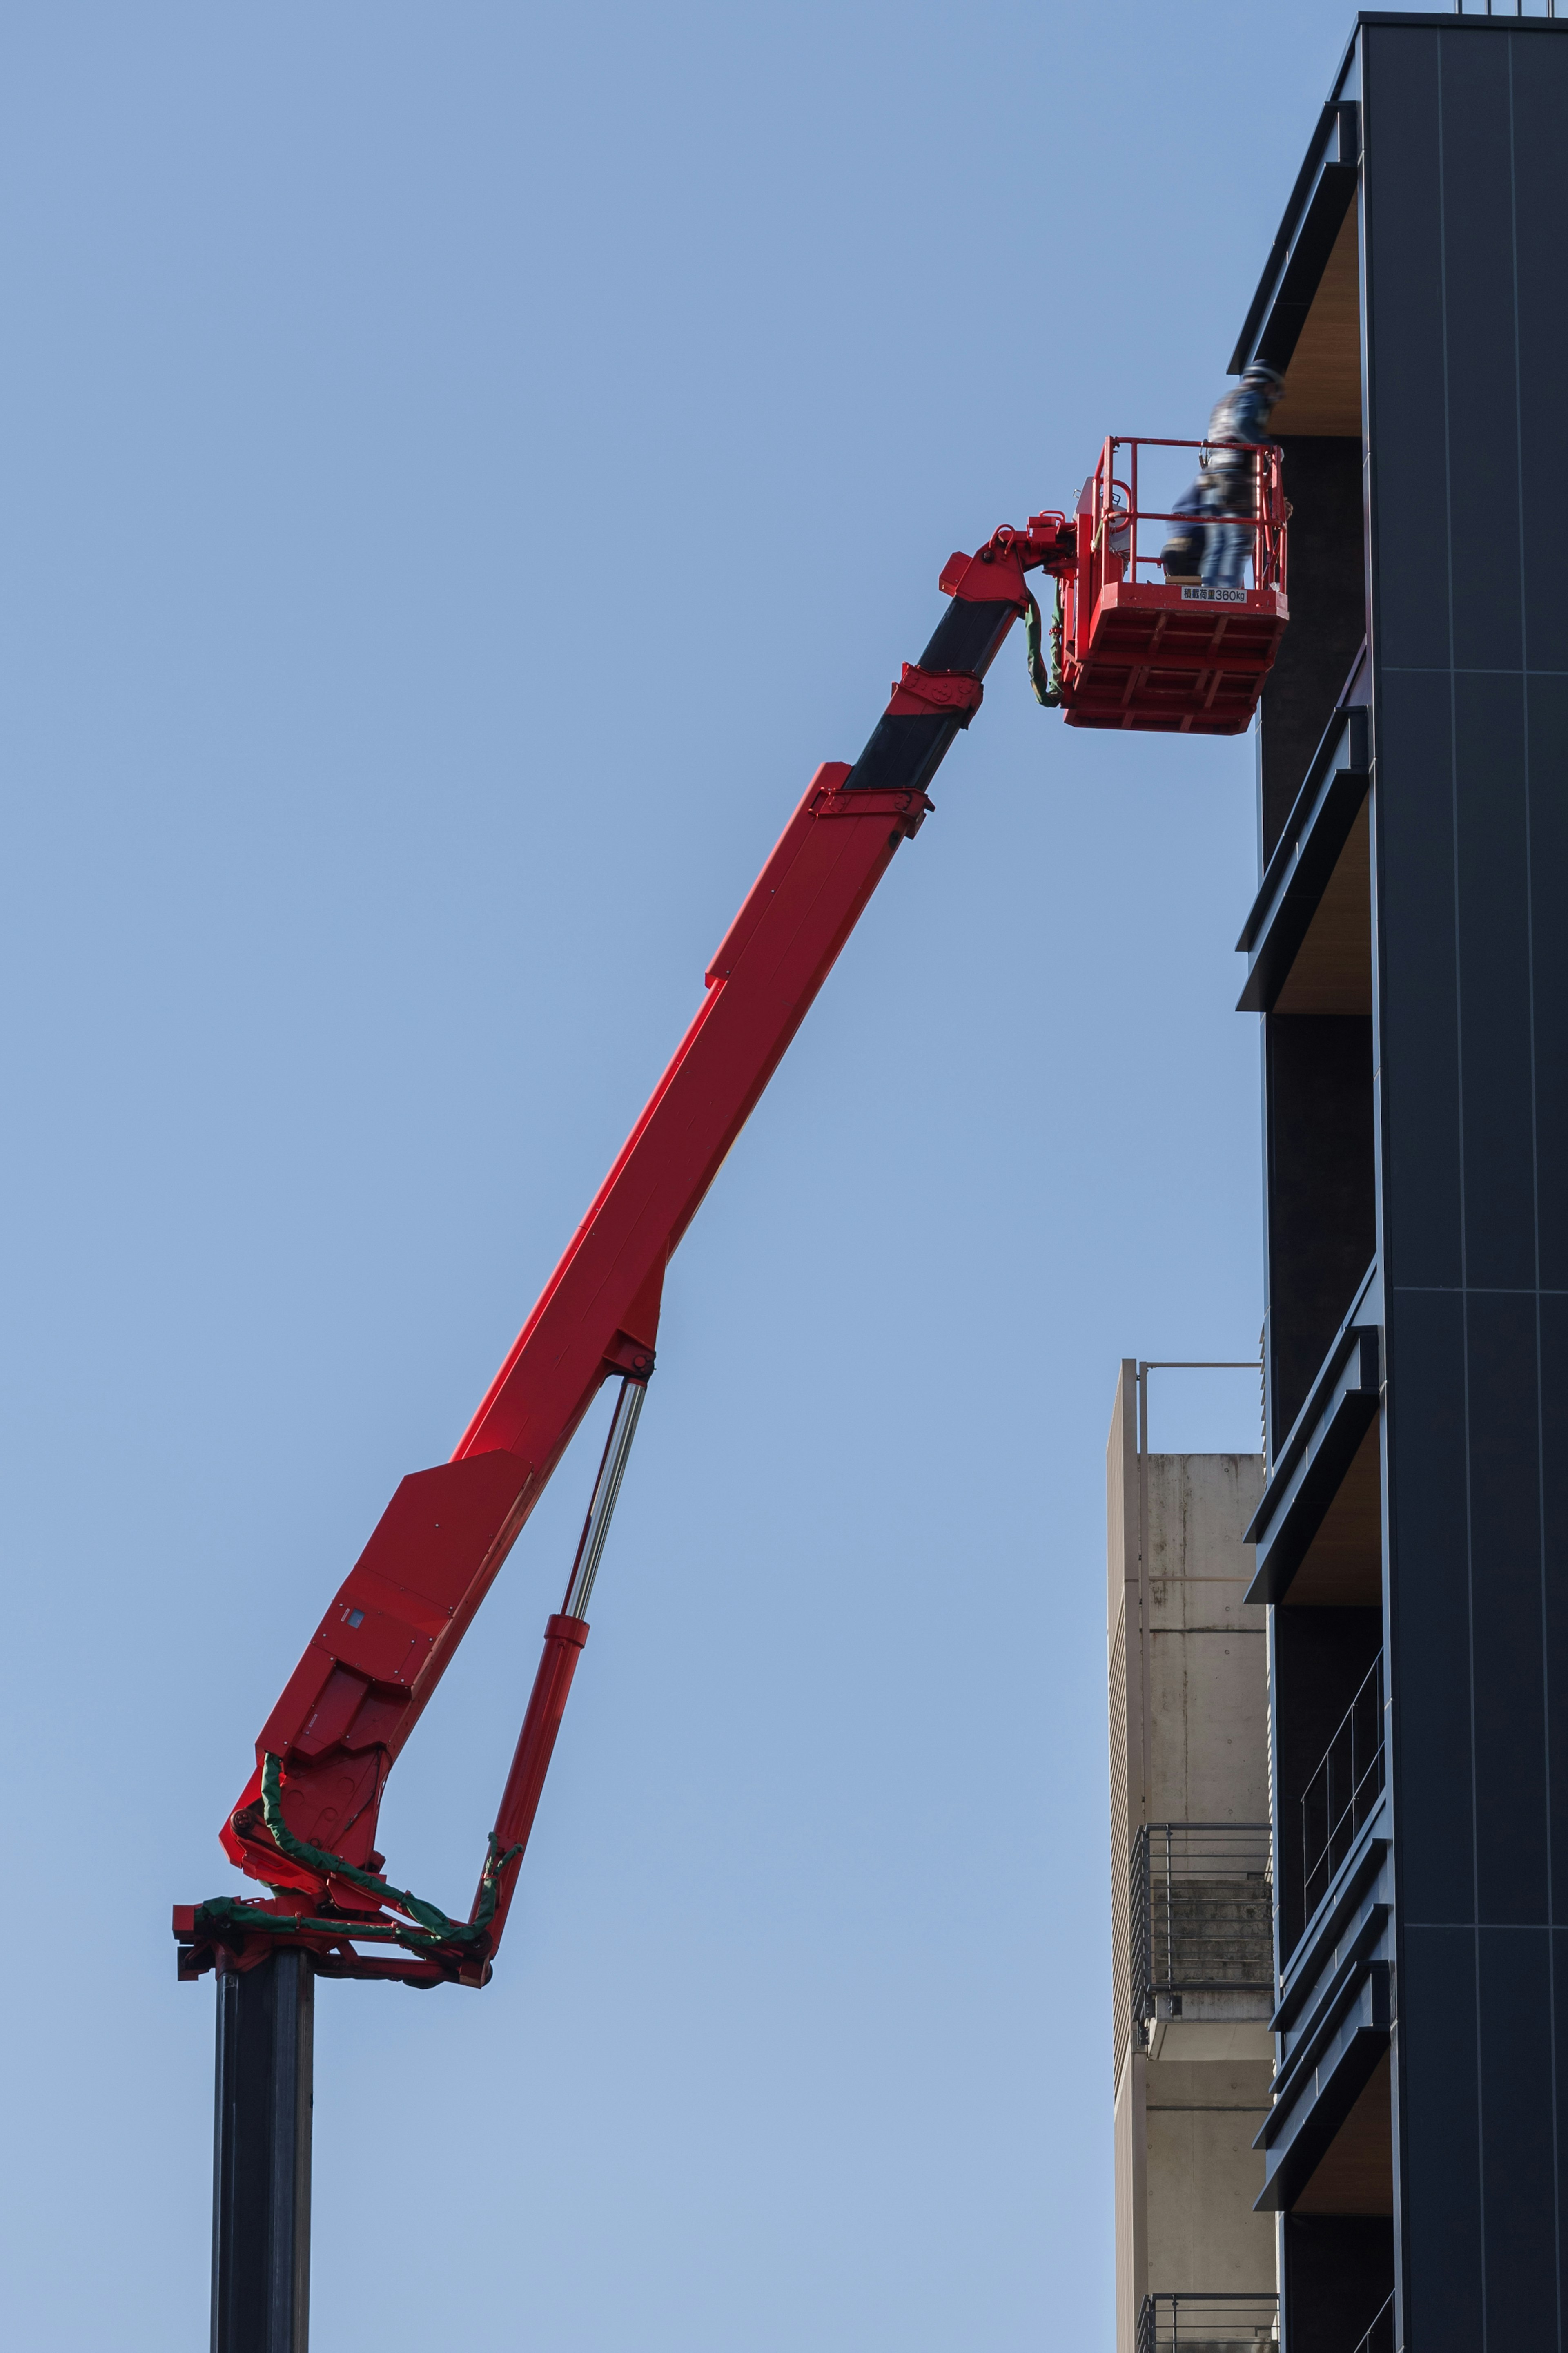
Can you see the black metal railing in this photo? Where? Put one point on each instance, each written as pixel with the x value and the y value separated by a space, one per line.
pixel 1379 2338
pixel 1341 1793
pixel 1208 2323
pixel 1202 1911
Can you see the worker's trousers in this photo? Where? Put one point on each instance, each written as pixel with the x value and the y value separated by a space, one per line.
pixel 1227 545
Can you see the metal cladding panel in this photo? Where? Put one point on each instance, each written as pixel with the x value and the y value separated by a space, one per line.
pixel 1546 756
pixel 1555 1543
pixel 1464 125
pixel 1514 1970
pixel 1418 1034
pixel 1509 1701
pixel 1439 2159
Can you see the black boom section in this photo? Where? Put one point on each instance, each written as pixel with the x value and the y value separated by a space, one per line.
pixel 967 637
pixel 905 750
pixel 902 756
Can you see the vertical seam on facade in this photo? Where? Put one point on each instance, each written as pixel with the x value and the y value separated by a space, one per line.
pixel 1464 1255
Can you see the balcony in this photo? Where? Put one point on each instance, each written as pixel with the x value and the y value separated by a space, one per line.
pixel 1318 1528
pixel 1342 1793
pixel 1208 2323
pixel 1336 2007
pixel 1308 937
pixel 1202 1934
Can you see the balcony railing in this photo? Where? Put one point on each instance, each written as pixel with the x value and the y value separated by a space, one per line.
pixel 1203 1911
pixel 1208 2323
pixel 1341 1796
pixel 1379 2338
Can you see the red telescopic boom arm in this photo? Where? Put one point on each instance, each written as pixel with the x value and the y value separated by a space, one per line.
pixel 394 1624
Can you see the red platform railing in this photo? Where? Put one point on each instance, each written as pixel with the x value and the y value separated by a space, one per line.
pixel 1118 520
pixel 1142 648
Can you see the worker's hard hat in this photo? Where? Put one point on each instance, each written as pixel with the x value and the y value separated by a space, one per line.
pixel 1259 373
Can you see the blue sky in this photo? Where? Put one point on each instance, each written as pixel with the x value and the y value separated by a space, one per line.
pixel 466 467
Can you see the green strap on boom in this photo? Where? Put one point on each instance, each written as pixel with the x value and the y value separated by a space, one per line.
pixel 426 1925
pixel 1047 683
pixel 429 1917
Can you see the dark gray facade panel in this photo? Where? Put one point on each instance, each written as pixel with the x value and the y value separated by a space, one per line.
pixel 1429 1638
pixel 1540 98
pixel 1557 2016
pixel 1403 240
pixel 1479 388
pixel 1553 1441
pixel 1547 737
pixel 1467 272
pixel 1507 1599
pixel 1437 2068
pixel 1493 910
pixel 1518 2153
pixel 1421 1234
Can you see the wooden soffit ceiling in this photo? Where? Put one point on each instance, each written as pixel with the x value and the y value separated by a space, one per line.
pixel 1323 383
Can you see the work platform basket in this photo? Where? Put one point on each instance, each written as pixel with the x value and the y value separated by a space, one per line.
pixel 1140 650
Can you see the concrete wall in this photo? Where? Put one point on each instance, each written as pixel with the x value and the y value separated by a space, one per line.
pixel 1130 2140
pixel 1187 1665
pixel 1202 2174
pixel 1208 1652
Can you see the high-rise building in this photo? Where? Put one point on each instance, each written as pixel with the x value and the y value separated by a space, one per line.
pixel 1407 955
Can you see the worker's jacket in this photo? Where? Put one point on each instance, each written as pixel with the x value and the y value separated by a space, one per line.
pixel 1241 414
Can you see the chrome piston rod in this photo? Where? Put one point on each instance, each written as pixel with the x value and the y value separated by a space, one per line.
pixel 602 1506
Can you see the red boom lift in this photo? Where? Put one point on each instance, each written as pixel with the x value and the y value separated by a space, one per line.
pixel 1129 650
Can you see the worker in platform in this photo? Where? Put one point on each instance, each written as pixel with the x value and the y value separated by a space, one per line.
pixel 1214 550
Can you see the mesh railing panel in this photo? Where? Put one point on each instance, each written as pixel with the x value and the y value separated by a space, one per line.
pixel 1201 1910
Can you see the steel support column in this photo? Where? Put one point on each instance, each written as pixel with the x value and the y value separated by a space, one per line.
pixel 261 2158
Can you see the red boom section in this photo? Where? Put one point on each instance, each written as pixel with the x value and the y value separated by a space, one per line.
pixel 563 1641
pixel 383 1646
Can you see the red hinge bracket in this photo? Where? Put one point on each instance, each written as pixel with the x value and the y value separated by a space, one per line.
pixel 927 693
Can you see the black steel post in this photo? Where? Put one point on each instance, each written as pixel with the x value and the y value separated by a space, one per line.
pixel 261 2158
